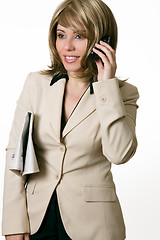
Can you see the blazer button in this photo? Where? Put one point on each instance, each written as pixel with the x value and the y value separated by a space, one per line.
pixel 103 99
pixel 62 149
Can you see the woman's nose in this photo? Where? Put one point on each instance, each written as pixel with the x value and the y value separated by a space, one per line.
pixel 69 45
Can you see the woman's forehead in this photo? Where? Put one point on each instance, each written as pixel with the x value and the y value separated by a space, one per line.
pixel 73 24
pixel 73 28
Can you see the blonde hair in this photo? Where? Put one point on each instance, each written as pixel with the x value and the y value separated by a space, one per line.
pixel 98 21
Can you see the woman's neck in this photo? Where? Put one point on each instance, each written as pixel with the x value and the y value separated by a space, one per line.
pixel 77 83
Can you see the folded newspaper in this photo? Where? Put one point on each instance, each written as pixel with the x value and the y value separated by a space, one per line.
pixel 24 159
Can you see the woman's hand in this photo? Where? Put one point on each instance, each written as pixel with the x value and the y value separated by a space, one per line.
pixel 107 64
pixel 18 237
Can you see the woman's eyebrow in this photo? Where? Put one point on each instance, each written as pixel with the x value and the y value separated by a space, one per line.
pixel 81 31
pixel 73 31
pixel 60 30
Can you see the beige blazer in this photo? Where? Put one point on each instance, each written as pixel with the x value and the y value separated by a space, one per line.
pixel 100 131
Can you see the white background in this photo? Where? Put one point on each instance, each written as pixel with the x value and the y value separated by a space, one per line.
pixel 24 48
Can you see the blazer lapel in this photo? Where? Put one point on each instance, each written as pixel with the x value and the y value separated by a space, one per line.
pixel 53 111
pixel 84 108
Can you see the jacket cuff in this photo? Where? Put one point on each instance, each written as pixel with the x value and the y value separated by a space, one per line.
pixel 108 98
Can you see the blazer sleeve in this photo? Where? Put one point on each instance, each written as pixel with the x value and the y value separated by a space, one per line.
pixel 116 108
pixel 15 218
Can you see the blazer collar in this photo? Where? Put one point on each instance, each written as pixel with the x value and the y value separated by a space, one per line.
pixel 53 111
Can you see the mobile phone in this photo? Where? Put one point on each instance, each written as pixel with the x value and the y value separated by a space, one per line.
pixel 93 56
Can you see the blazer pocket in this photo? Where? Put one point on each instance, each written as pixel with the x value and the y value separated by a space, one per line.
pixel 99 194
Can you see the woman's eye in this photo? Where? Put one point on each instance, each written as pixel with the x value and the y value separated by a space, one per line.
pixel 60 35
pixel 78 37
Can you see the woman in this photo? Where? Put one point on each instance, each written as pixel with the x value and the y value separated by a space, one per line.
pixel 84 121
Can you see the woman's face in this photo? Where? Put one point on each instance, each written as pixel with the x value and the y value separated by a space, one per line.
pixel 71 47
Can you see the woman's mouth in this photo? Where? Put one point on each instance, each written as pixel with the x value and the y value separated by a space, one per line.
pixel 70 59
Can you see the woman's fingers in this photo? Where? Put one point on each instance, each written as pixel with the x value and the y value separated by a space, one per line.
pixel 26 237
pixel 18 237
pixel 107 45
pixel 108 52
pixel 107 63
pixel 15 237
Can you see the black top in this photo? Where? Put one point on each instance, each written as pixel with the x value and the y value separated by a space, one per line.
pixel 63 119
